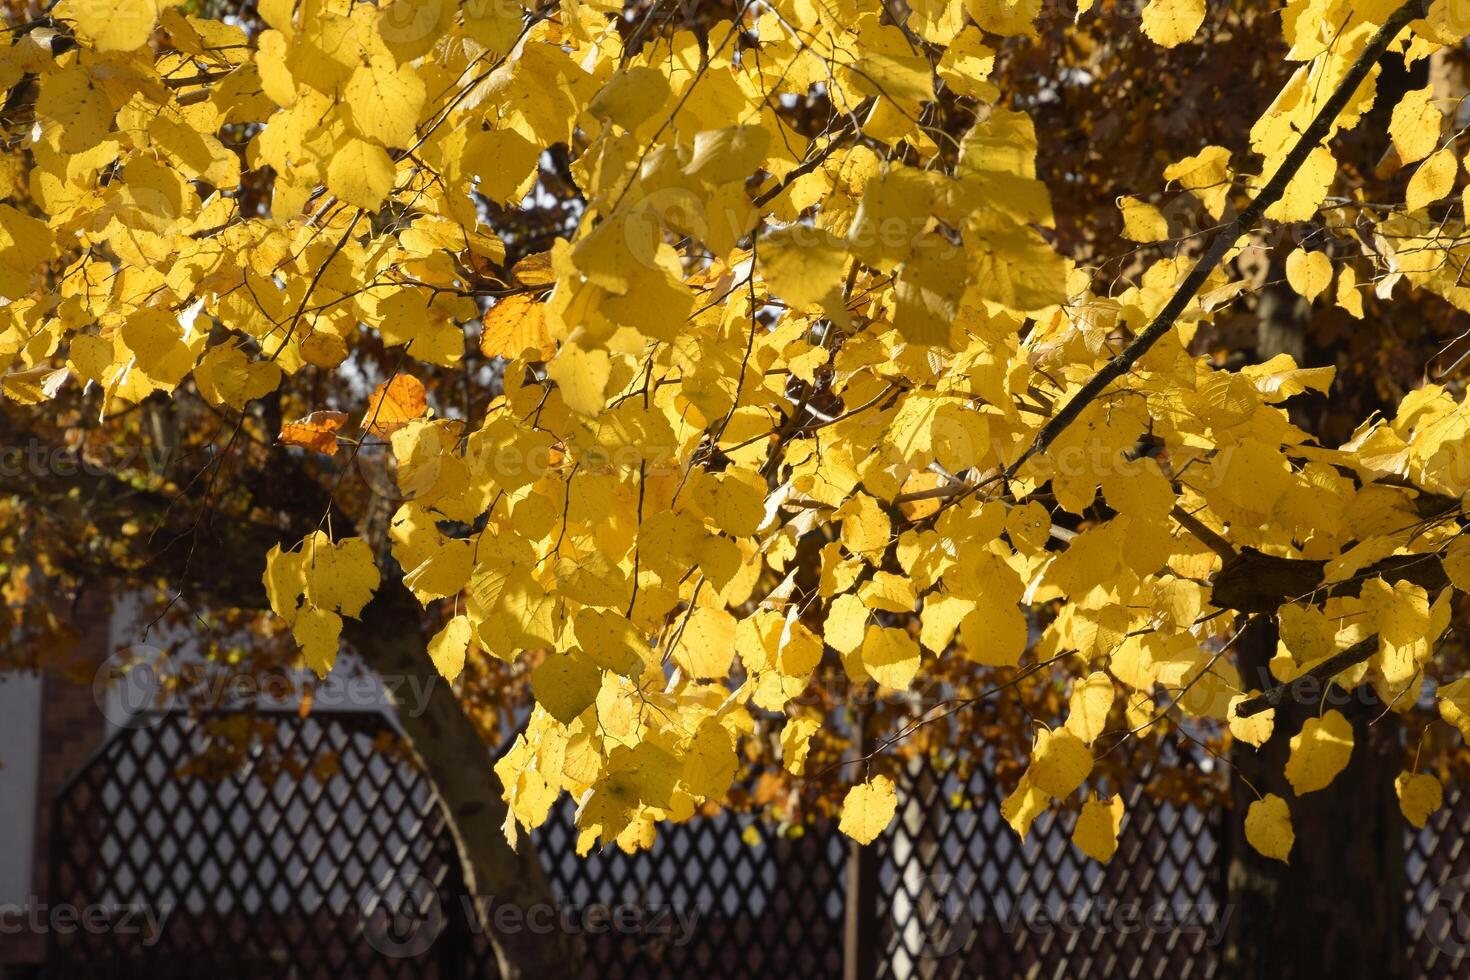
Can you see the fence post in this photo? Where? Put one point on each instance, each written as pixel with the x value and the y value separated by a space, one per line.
pixel 860 941
pixel 455 946
pixel 860 928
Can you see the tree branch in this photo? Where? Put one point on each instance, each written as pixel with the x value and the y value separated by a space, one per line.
pixel 1311 681
pixel 1226 238
pixel 1255 582
pixel 1204 533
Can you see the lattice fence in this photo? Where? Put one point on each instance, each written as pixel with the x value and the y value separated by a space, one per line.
pixel 1438 870
pixel 958 895
pixel 260 871
pixel 320 854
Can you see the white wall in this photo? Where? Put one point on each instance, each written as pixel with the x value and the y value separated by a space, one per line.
pixel 20 759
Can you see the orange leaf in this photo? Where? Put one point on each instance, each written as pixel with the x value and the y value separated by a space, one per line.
pixel 534 269
pixel 395 403
pixel 317 432
pixel 512 325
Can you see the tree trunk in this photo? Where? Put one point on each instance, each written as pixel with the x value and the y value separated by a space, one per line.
pixel 1337 910
pixel 216 562
pixel 458 765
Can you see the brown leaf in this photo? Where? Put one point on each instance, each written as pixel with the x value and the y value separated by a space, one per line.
pixel 317 432
pixel 394 404
pixel 512 325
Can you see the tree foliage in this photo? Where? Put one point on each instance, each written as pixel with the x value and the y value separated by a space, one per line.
pixel 708 369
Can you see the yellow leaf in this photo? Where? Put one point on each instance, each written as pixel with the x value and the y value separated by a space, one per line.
pixel 72 101
pixel 1279 378
pixel 1172 22
pixel 582 376
pixel 903 77
pixel 502 160
pixel 493 23
pixel 1454 705
pixel 566 684
pixel 1319 752
pixel 25 244
pixel 227 376
pixel 607 637
pixel 1309 273
pixel 1456 562
pixel 804 266
pixel 117 25
pixel 733 500
pixel 361 173
pixel 847 618
pixel 891 215
pixel 710 765
pixel 513 326
pixel 1206 175
pixel 930 284
pixel 1018 269
pixel 410 28
pixel 1400 612
pixel 1087 710
pixel 868 808
pixel 1348 296
pixel 1139 489
pixel 1060 762
pixel 1007 18
pixel 1142 222
pixel 724 155
pixel 156 339
pixel 384 101
pixel 317 632
pixel 1305 191
pixel 965 65
pixel 1255 729
pixel 1029 527
pixel 443 573
pixel 866 528
pixel 940 618
pixel 706 646
pixel 889 592
pixel 631 96
pixel 34 386
pixel 1268 827
pixel 1434 179
pixel 1415 125
pixel 995 634
pixel 796 742
pixel 448 646
pixel 340 576
pixel 1306 633
pixel 1096 832
pixel 891 657
pixel 285 580
pixel 1024 805
pixel 1420 795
